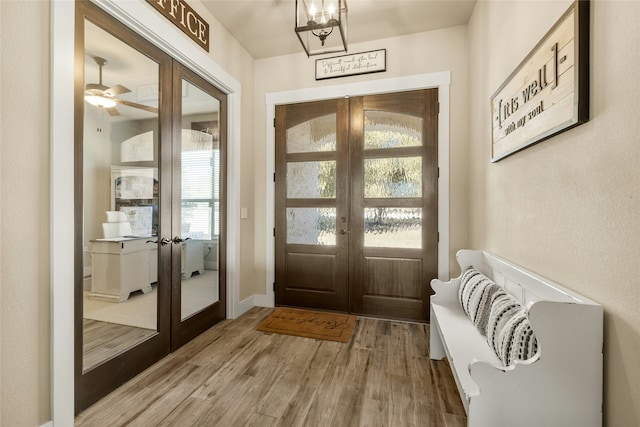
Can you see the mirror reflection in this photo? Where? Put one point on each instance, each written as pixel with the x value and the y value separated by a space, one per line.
pixel 120 197
pixel 200 210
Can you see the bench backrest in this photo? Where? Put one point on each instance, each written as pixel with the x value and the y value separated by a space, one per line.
pixel 525 286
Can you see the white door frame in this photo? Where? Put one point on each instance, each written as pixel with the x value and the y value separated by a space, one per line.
pixel 440 80
pixel 145 21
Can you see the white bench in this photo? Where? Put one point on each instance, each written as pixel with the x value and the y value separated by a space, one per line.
pixel 561 385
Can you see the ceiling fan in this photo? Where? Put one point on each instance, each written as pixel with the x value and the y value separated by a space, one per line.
pixel 106 97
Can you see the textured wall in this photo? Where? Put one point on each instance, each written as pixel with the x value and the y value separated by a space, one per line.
pixel 568 208
pixel 24 225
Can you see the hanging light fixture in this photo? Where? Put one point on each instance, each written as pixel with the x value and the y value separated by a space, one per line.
pixel 316 21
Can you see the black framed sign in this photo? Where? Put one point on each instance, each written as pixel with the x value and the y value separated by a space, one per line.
pixel 548 92
pixel 374 61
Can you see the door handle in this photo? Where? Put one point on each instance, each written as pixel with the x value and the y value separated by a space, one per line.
pixel 343 231
pixel 177 240
pixel 151 241
pixel 165 241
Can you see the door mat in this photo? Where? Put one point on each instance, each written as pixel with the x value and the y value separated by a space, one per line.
pixel 311 324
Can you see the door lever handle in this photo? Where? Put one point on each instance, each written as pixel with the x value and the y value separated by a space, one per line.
pixel 165 241
pixel 343 231
pixel 151 241
pixel 177 240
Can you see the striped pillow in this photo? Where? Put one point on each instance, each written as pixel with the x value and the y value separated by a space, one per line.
pixel 509 332
pixel 474 294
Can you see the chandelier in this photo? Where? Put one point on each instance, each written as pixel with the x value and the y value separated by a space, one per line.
pixel 316 21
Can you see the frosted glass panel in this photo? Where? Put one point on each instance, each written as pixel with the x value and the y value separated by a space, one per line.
pixel 311 226
pixel 393 227
pixel 393 177
pixel 311 180
pixel 314 135
pixel 384 129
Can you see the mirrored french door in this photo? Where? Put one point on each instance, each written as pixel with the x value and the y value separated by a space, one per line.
pixel 150 203
pixel 356 204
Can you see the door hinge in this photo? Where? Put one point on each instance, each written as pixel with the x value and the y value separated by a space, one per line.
pixel 438 237
pixel 438 172
pixel 274 122
pixel 438 109
pixel 274 286
pixel 274 177
pixel 274 232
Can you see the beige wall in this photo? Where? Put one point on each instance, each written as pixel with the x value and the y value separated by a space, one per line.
pixel 568 208
pixel 24 231
pixel 442 50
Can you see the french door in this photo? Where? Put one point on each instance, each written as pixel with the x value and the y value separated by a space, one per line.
pixel 150 204
pixel 356 204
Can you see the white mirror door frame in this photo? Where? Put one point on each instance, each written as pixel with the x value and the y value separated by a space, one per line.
pixel 440 80
pixel 138 16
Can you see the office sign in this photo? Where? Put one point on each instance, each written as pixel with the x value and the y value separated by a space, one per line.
pixel 184 17
pixel 548 92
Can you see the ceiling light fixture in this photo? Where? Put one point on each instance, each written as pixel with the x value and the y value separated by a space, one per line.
pixel 100 101
pixel 314 26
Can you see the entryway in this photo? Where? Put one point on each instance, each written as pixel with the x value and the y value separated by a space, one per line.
pixel 356 204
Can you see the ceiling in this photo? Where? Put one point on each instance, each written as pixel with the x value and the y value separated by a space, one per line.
pixel 265 28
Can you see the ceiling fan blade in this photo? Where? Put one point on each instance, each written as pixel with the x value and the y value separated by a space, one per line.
pixel 116 90
pixel 112 111
pixel 136 105
pixel 95 89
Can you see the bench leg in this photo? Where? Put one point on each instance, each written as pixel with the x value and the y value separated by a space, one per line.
pixel 436 348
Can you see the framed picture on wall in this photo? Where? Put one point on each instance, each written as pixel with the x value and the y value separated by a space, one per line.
pixel 548 93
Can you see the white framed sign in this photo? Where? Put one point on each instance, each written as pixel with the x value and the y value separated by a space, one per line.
pixel 548 92
pixel 374 61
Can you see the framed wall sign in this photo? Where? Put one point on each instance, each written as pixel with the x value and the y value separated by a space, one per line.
pixel 374 61
pixel 548 92
pixel 183 16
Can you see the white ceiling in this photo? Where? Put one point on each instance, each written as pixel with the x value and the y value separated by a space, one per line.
pixel 266 27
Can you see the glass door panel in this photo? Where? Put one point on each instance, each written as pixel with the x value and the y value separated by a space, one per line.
pixel 200 208
pixel 198 215
pixel 120 193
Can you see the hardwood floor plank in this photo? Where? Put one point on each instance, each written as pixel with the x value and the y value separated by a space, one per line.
pixel 233 375
pixel 447 388
pixel 425 392
pixel 375 413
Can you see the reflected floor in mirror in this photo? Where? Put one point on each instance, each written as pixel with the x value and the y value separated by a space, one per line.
pixel 110 328
pixel 102 341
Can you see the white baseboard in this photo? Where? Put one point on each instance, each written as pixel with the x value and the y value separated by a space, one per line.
pixel 263 300
pixel 255 300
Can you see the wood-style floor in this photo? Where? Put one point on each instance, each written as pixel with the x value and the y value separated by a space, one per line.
pixel 102 341
pixel 233 375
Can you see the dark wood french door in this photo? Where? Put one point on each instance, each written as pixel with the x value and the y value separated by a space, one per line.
pixel 150 204
pixel 356 204
pixel 198 299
